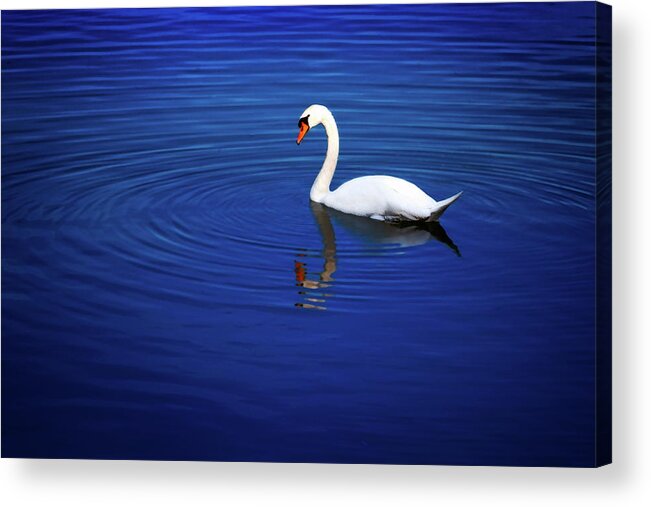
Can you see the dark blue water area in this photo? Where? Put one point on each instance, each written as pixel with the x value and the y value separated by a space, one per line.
pixel 169 292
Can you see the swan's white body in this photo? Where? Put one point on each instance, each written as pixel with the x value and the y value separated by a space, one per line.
pixel 379 197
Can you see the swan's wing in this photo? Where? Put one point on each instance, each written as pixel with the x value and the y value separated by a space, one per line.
pixel 404 200
pixel 364 196
pixel 387 198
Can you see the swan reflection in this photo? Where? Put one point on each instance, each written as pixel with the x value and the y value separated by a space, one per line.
pixel 314 286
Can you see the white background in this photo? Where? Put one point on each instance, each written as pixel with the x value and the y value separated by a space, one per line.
pixel 626 482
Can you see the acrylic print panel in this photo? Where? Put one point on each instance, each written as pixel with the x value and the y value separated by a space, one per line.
pixel 170 291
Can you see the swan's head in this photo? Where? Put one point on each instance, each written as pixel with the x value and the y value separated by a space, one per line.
pixel 311 117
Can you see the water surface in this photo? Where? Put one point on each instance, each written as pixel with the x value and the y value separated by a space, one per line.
pixel 169 292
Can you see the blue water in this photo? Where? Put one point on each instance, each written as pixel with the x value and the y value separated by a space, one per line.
pixel 169 292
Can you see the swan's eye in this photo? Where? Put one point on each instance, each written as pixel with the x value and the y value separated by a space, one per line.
pixel 303 121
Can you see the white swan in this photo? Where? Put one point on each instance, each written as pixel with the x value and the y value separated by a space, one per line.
pixel 379 197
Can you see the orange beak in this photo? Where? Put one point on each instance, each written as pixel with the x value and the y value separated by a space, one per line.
pixel 302 130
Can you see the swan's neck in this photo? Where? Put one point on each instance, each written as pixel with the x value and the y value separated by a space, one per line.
pixel 321 185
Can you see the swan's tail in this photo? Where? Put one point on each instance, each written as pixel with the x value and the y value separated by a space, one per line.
pixel 441 206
